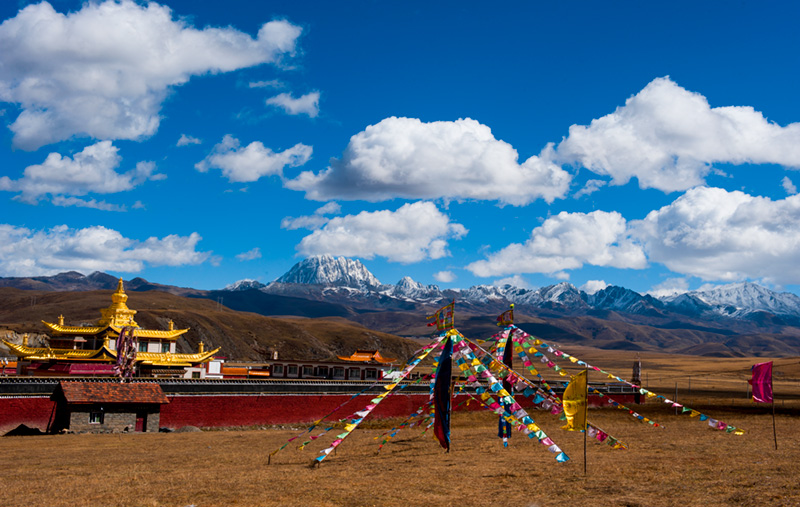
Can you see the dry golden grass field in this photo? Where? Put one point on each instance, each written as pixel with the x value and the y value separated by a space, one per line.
pixel 685 463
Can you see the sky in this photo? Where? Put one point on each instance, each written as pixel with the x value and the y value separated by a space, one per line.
pixel 650 145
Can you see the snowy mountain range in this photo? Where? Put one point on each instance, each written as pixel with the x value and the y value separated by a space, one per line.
pixel 348 281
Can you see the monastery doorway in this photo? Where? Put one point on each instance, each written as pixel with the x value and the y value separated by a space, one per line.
pixel 141 421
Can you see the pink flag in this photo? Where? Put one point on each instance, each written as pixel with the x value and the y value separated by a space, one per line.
pixel 762 382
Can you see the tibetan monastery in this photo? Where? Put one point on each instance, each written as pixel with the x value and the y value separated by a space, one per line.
pixel 91 350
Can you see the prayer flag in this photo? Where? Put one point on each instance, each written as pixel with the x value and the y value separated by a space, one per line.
pixel 575 403
pixel 444 318
pixel 507 317
pixel 762 382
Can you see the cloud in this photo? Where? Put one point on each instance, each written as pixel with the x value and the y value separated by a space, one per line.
pixel 567 241
pixel 787 184
pixel 593 286
pixel 668 137
pixel 24 252
pixel 591 187
pixel 718 235
pixel 406 158
pixel 272 83
pixel 308 104
pixel 187 140
pixel 84 203
pixel 253 161
pixel 415 232
pixel 250 255
pixel 670 287
pixel 514 281
pixel 89 171
pixel 444 276
pixel 103 71
pixel 312 222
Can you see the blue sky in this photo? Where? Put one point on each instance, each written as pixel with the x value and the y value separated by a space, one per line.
pixel 650 145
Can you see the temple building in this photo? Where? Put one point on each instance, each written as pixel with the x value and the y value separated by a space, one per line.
pixel 91 350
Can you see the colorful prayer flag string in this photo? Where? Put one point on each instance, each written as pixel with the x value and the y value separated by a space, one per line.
pixel 685 410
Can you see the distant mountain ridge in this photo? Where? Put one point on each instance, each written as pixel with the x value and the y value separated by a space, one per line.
pixel 348 280
pixel 732 320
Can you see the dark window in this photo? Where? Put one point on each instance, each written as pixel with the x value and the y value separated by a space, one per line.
pixel 308 371
pixel 277 369
pixel 371 374
pixel 195 374
pixel 165 348
pixel 142 346
pixel 292 369
pixel 354 374
pixel 338 372
pixel 95 418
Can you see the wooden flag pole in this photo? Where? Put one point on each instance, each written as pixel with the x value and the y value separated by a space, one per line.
pixel 774 432
pixel 585 419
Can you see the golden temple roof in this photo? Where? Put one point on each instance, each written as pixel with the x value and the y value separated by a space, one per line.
pixel 106 354
pixel 115 317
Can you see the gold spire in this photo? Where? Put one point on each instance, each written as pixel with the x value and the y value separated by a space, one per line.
pixel 61 320
pixel 118 314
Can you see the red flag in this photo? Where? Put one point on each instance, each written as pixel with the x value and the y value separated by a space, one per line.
pixel 762 382
pixel 444 318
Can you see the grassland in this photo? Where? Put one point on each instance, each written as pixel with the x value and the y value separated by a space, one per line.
pixel 685 463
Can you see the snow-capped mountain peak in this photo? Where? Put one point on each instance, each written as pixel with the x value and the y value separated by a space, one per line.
pixel 327 270
pixel 409 289
pixel 749 297
pixel 246 284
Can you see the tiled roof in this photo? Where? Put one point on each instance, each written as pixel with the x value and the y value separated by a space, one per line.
pixel 112 392
pixel 361 355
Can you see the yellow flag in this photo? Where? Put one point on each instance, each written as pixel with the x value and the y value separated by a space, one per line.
pixel 575 403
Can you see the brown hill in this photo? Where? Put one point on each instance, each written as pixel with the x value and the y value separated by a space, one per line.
pixel 243 336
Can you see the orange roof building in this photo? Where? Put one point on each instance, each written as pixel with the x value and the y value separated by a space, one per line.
pixel 367 356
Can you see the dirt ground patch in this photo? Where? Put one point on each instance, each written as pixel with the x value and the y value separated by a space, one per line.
pixel 685 463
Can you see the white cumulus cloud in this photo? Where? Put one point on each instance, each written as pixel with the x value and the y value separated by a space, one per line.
pixel 452 160
pixel 103 71
pixel 314 221
pixel 92 170
pixel 25 252
pixel 592 286
pixel 668 138
pixel 718 235
pixel 250 255
pixel 307 104
pixel 787 185
pixel 567 241
pixel 514 281
pixel 444 276
pixel 185 140
pixel 249 163
pixel 670 287
pixel 415 232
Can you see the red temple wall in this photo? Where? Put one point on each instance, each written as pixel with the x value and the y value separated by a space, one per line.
pixel 246 410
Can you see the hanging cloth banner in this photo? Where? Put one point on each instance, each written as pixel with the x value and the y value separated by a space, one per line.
pixel 507 317
pixel 379 398
pixel 576 402
pixel 762 382
pixel 444 318
pixel 722 426
pixel 441 396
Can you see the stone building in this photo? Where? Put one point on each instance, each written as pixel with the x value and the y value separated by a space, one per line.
pixel 103 407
